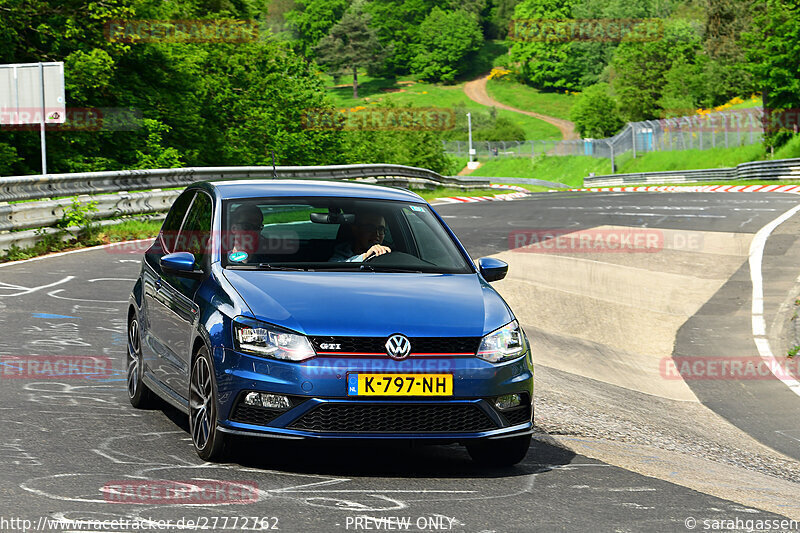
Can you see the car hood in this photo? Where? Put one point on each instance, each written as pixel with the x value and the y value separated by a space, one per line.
pixel 373 304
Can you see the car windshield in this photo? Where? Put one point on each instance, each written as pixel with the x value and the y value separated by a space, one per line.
pixel 337 234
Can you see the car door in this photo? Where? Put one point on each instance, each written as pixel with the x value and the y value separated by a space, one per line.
pixel 178 309
pixel 154 304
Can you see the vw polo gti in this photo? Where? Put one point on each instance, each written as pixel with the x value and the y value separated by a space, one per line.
pixel 326 310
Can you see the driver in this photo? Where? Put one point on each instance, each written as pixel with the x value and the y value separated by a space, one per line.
pixel 366 239
pixel 246 224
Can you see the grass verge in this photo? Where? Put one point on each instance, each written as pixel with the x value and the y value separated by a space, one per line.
pixel 569 170
pixel 409 92
pixel 529 99
pixel 689 159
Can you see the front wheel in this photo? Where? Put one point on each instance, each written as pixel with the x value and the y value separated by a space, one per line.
pixel 500 452
pixel 140 396
pixel 209 442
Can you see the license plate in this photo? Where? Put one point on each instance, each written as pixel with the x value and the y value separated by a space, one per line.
pixel 400 384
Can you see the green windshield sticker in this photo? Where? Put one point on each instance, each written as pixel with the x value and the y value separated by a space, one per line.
pixel 237 257
pixel 416 208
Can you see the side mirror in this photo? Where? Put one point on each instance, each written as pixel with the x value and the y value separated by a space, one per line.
pixel 180 264
pixel 492 269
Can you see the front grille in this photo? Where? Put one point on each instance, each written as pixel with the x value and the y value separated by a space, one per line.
pixel 518 416
pixel 395 419
pixel 443 345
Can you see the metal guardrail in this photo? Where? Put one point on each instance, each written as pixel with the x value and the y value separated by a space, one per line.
pixel 780 169
pixel 47 213
pixel 53 185
pixel 24 239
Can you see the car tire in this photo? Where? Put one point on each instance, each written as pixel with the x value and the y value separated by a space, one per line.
pixel 500 452
pixel 139 395
pixel 208 440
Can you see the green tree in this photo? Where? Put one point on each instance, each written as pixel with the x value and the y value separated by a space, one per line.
pixel 311 20
pixel 396 23
pixel 773 48
pixel 155 155
pixel 543 63
pixel 595 113
pixel 726 74
pixel 8 159
pixel 445 42
pixel 351 43
pixel 638 69
pixel 685 87
pixel 500 14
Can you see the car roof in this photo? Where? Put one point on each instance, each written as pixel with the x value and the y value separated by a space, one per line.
pixel 250 188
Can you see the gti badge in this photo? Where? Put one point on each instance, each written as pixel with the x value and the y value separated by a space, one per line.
pixel 398 347
pixel 330 346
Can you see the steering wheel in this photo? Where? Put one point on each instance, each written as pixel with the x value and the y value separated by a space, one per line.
pixel 372 258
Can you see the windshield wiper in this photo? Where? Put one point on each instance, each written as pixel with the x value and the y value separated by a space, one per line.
pixel 267 266
pixel 381 268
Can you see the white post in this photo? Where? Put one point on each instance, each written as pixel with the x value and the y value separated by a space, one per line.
pixel 41 125
pixel 469 129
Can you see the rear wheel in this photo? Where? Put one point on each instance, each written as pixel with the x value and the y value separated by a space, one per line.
pixel 140 396
pixel 209 442
pixel 500 452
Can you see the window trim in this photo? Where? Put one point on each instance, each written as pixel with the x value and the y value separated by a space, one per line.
pixel 211 244
pixel 183 221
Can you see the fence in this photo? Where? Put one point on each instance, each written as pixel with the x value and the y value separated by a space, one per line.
pixel 23 214
pixel 700 132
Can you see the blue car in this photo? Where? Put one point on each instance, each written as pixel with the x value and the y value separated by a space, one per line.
pixel 326 310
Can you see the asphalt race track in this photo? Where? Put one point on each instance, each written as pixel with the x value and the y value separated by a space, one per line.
pixel 613 452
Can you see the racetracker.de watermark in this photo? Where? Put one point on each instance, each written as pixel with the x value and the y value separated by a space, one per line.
pixel 728 368
pixel 181 31
pixel 172 492
pixel 74 119
pixel 585 30
pixel 55 367
pixel 363 118
pixel 755 119
pixel 203 243
pixel 601 240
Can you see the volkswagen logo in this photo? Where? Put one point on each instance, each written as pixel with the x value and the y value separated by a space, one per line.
pixel 398 347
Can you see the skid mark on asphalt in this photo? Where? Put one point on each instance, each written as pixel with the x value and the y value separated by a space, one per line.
pixel 315 490
pixel 24 291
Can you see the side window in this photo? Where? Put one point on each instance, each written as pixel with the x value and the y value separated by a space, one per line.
pixel 169 230
pixel 195 235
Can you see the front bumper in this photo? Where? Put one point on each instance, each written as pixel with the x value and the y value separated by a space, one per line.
pixel 321 408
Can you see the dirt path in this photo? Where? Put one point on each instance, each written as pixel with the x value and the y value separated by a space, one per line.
pixel 476 91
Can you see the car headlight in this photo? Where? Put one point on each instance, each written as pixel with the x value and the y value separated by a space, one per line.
pixel 503 344
pixel 258 338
